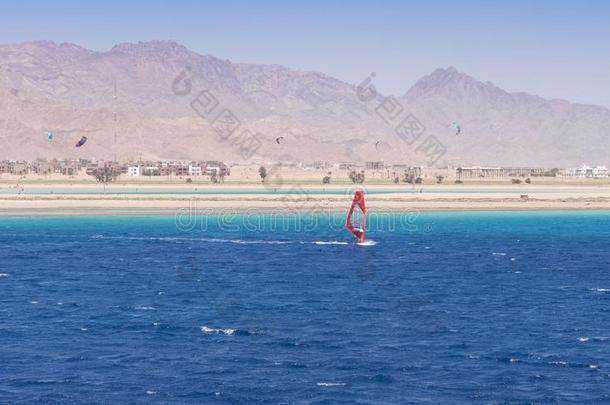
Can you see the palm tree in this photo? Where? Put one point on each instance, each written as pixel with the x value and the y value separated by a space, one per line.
pixel 262 171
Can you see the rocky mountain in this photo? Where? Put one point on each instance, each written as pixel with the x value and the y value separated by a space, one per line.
pixel 509 128
pixel 160 100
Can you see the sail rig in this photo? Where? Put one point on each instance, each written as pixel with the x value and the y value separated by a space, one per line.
pixel 356 216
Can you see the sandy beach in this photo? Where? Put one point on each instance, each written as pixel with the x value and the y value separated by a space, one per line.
pixel 42 196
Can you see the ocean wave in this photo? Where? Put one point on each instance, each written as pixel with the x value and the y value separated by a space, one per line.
pixel 252 242
pixel 499 254
pixel 213 331
pixel 562 363
pixel 178 239
pixel 142 308
pixel 584 339
pixel 331 242
pixel 600 289
pixel 228 331
pixel 3 274
pixel 330 384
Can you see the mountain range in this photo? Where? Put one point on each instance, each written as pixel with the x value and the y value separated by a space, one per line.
pixel 159 100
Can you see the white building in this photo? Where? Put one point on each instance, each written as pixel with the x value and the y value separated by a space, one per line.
pixel 585 171
pixel 133 171
pixel 149 171
pixel 600 172
pixel 195 170
pixel 478 171
pixel 212 170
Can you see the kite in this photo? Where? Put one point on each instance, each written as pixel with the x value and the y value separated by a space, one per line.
pixel 82 141
pixel 278 139
pixel 457 127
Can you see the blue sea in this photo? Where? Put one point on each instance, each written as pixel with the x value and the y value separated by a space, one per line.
pixel 447 307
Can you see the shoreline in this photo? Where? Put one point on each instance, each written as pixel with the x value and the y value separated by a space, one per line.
pixel 59 212
pixel 96 207
pixel 312 198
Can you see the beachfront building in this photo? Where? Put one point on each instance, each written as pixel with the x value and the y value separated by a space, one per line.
pixel 217 168
pixel 133 171
pixel 348 166
pixel 479 172
pixel 8 166
pixel 150 170
pixel 498 172
pixel 321 165
pixel 195 170
pixel 165 168
pixel 586 172
pixel 91 169
pixel 177 168
pixel 5 166
pixel 400 166
pixel 71 167
pixel 539 172
pixel 20 168
pixel 374 165
pixel 413 171
pixel 579 172
pixel 181 169
pixel 69 170
pixel 41 167
pixel 517 171
pixel 599 172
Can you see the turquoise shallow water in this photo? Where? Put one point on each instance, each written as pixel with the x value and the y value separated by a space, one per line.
pixel 452 307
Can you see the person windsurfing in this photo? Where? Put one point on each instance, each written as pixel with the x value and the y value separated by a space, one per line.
pixel 356 216
pixel 358 234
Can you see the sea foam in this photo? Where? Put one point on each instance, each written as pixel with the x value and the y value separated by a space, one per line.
pixel 213 331
pixel 221 240
pixel 329 384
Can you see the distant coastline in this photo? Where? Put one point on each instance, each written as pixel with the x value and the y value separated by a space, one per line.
pixel 301 198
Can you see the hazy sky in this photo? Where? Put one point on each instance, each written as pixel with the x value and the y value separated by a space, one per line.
pixel 557 49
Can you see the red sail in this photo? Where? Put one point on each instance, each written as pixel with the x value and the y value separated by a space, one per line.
pixel 356 217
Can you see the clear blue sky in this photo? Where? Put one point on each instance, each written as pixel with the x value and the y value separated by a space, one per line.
pixel 557 49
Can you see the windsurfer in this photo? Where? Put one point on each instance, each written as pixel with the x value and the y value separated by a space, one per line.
pixel 356 216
